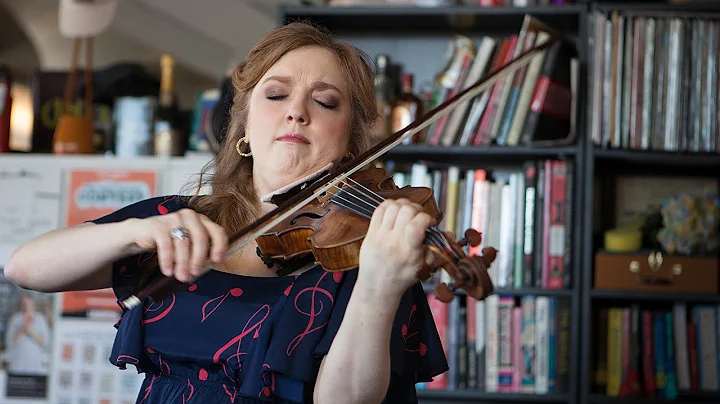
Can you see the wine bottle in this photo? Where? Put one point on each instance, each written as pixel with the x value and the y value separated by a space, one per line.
pixel 168 136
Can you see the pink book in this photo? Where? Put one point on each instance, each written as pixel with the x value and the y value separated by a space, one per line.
pixel 517 348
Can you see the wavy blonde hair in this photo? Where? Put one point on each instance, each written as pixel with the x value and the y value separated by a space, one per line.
pixel 233 203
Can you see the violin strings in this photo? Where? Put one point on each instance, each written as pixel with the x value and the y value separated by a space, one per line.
pixel 440 240
pixel 434 235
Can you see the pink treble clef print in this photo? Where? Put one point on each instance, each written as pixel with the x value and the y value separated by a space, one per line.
pixel 251 326
pixel 316 307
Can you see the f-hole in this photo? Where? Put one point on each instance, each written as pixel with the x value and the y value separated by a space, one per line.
pixel 311 215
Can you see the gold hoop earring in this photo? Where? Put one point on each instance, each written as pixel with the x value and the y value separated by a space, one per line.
pixel 237 147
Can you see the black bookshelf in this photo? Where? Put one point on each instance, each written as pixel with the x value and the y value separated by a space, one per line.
pixel 606 163
pixel 516 292
pixel 629 296
pixel 404 20
pixel 470 396
pixel 660 158
pixel 589 160
pixel 694 398
pixel 470 154
pixel 396 23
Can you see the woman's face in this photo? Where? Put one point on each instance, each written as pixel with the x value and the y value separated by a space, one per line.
pixel 299 118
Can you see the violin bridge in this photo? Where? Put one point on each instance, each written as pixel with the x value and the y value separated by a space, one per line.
pixel 325 197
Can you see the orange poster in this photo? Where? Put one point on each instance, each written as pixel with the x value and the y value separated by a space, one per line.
pixel 95 193
pixel 90 195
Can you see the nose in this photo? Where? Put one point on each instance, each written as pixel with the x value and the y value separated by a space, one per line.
pixel 297 112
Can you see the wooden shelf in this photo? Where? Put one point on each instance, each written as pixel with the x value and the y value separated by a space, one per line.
pixel 472 396
pixel 654 296
pixel 374 20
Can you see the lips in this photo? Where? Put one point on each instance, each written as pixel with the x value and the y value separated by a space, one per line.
pixel 293 138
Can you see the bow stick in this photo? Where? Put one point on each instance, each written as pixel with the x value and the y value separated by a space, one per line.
pixel 331 179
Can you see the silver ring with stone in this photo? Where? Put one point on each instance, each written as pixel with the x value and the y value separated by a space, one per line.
pixel 179 233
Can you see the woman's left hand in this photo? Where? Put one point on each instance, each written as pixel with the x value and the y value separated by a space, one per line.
pixel 393 252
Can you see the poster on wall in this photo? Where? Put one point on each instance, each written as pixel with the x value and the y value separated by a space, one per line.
pixel 30 206
pixel 26 317
pixel 91 194
pixel 81 370
pixel 26 330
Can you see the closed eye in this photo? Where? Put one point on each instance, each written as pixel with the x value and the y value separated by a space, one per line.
pixel 322 104
pixel 325 105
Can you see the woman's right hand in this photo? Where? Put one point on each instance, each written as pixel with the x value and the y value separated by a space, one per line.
pixel 184 259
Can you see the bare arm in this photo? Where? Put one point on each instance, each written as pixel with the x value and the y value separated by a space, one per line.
pixel 81 257
pixel 73 258
pixel 357 366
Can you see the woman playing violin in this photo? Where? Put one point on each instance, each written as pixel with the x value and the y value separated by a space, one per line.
pixel 238 332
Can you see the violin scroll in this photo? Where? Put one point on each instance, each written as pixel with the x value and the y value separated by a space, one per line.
pixel 469 273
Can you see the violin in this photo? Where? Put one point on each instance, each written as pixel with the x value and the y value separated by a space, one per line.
pixel 328 214
pixel 333 226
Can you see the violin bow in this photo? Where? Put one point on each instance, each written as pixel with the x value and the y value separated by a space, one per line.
pixel 161 288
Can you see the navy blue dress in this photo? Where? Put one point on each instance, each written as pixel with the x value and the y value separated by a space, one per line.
pixel 230 338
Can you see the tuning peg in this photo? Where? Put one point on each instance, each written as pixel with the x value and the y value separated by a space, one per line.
pixel 489 254
pixel 472 237
pixel 444 292
pixel 425 272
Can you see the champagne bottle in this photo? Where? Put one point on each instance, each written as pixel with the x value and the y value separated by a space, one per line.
pixel 168 137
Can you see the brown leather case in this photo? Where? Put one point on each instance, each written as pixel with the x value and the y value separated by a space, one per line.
pixel 653 271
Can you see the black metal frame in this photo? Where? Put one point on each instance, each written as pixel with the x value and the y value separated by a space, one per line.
pixel 401 21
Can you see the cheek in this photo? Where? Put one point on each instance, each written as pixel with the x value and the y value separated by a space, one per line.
pixel 337 130
pixel 261 119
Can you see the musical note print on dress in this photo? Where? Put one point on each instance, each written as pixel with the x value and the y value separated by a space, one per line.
pixel 164 367
pixel 314 310
pixel 251 326
pixel 214 304
pixel 157 306
pixel 191 391
pixel 410 334
pixel 233 339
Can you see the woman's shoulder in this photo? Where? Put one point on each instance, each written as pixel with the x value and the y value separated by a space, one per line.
pixel 158 205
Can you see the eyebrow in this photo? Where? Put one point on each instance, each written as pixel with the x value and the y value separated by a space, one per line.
pixel 318 85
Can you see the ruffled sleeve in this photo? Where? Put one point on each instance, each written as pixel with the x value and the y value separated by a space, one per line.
pixel 126 272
